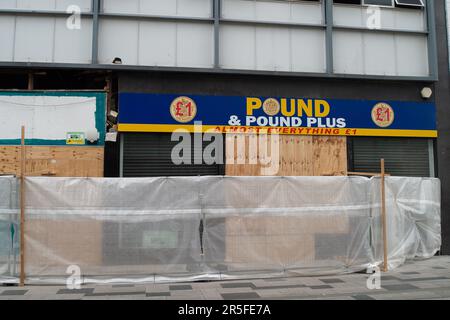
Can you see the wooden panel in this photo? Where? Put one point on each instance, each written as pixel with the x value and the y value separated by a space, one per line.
pixel 298 156
pixel 53 245
pixel 278 239
pixel 293 225
pixel 245 163
pixel 330 156
pixel 287 150
pixel 56 161
pixel 303 160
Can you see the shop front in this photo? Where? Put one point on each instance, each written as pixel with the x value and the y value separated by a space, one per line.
pixel 314 136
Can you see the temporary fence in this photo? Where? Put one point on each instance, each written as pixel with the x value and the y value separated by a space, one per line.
pixel 115 230
pixel 9 229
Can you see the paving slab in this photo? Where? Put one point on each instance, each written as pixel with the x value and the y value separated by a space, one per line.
pixel 424 279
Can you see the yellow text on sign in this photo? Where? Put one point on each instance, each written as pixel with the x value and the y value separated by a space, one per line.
pixel 294 107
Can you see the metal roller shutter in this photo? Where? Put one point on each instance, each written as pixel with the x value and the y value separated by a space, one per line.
pixel 403 156
pixel 149 155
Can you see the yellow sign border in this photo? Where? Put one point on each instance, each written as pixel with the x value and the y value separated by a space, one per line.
pixel 130 127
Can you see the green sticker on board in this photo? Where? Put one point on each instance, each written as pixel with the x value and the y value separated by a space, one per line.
pixel 77 138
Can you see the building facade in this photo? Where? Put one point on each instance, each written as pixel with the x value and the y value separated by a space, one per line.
pixel 344 82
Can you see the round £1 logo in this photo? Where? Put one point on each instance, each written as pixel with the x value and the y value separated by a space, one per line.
pixel 183 109
pixel 271 106
pixel 382 115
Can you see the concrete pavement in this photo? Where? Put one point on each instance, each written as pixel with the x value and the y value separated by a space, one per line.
pixel 419 279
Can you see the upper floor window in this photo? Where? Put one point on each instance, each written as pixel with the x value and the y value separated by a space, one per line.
pixel 386 3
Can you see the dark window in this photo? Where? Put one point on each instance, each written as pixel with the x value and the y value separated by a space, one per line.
pixel 410 3
pixel 388 3
pixel 348 1
pixel 385 3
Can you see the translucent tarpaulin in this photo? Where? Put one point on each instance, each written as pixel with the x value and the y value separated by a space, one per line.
pixel 413 213
pixel 192 228
pixel 9 229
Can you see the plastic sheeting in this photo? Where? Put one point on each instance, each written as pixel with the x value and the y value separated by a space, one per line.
pixel 9 229
pixel 193 228
pixel 413 219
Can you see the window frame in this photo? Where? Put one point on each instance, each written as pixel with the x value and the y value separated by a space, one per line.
pixel 363 3
pixel 410 5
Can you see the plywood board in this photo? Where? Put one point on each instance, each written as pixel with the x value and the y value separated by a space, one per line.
pixel 59 161
pixel 298 156
pixel 278 239
pixel 330 156
pixel 54 245
pixel 302 159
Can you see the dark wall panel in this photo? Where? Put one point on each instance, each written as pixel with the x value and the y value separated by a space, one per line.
pixel 442 96
pixel 245 85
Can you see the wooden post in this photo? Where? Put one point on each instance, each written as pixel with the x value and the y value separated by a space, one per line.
pixel 30 81
pixel 383 219
pixel 22 208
